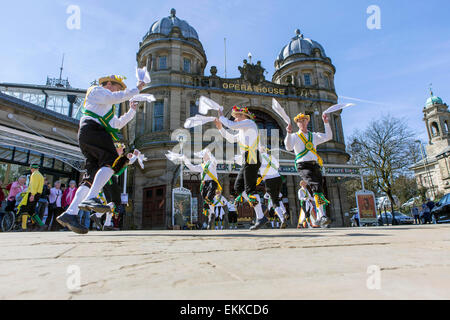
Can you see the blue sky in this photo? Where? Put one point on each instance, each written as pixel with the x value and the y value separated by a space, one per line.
pixel 389 69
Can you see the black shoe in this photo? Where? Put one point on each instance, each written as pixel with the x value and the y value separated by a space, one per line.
pixel 108 228
pixel 324 222
pixel 260 223
pixel 71 222
pixel 283 225
pixel 94 204
pixel 211 222
pixel 96 221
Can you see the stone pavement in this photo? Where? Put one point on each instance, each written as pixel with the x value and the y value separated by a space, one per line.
pixel 414 263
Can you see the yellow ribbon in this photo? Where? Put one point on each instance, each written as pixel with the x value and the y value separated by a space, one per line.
pixel 252 154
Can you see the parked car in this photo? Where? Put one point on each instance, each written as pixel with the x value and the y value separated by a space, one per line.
pixel 399 217
pixel 441 210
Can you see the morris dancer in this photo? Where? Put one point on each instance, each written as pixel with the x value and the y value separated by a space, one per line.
pixel 309 163
pixel 307 218
pixel 248 139
pixel 98 130
pixel 273 182
pixel 219 203
pixel 209 182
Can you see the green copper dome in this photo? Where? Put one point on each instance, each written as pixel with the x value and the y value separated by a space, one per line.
pixel 433 100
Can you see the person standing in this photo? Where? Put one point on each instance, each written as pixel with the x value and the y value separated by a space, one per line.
pixel 309 163
pixel 415 214
pixel 219 203
pixel 248 140
pixel 232 213
pixel 27 206
pixel 69 194
pixel 55 206
pixel 99 128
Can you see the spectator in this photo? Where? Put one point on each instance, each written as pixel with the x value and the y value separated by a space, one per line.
pixel 55 206
pixel 415 214
pixel 42 207
pixel 16 188
pixel 85 218
pixel 425 213
pixel 69 194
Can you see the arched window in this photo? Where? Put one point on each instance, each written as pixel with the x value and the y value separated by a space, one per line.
pixel 265 121
pixel 434 129
pixel 446 126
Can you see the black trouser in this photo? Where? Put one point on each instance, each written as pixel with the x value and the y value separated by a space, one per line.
pixel 52 213
pixel 273 188
pixel 246 179
pixel 10 205
pixel 311 172
pixel 112 191
pixel 30 207
pixel 232 216
pixel 97 147
pixel 208 192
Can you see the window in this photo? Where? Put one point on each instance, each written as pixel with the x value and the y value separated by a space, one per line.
pixel 311 122
pixel 337 128
pixel 162 62
pixel 193 109
pixel 434 129
pixel 307 78
pixel 158 116
pixel 327 82
pixel 187 65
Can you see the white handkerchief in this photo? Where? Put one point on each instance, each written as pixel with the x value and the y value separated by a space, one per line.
pixel 197 120
pixel 143 97
pixel 279 109
pixel 338 107
pixel 174 157
pixel 206 104
pixel 143 75
pixel 140 158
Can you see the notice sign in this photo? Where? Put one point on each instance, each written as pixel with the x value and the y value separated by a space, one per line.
pixel 124 198
pixel 366 206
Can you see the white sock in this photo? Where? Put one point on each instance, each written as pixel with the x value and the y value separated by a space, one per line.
pixel 79 197
pixel 322 213
pixel 258 208
pixel 271 222
pixel 101 178
pixel 108 219
pixel 280 213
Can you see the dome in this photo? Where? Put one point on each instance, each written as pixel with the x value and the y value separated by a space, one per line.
pixel 165 25
pixel 299 44
pixel 433 100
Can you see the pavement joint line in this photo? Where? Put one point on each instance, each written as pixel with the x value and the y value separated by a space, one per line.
pixel 65 251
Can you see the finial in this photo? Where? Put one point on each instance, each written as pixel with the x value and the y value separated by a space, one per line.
pixel 297 32
pixel 173 12
pixel 431 89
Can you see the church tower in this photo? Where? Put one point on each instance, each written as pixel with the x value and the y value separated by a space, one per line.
pixel 437 118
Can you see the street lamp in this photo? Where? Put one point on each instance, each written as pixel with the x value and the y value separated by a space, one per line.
pixel 181 140
pixel 425 165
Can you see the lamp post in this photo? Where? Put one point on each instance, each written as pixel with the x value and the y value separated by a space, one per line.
pixel 181 140
pixel 425 165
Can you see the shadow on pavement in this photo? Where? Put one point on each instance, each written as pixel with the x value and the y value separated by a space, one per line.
pixel 245 235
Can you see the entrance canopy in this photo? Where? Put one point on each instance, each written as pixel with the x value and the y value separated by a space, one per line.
pixel 64 152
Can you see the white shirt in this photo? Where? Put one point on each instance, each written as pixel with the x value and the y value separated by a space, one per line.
pixel 248 132
pixel 293 142
pixel 198 168
pixel 220 201
pixel 100 101
pixel 55 195
pixel 231 206
pixel 271 172
pixel 304 195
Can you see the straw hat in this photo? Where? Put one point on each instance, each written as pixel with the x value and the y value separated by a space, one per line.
pixel 115 79
pixel 301 116
pixel 244 111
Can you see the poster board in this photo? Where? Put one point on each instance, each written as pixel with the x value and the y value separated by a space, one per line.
pixel 365 201
pixel 181 206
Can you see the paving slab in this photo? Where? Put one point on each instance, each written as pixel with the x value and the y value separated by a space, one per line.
pixel 401 262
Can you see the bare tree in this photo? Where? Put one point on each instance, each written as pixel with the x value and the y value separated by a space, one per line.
pixel 385 149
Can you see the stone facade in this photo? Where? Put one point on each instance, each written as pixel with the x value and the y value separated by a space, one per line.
pixel 177 67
